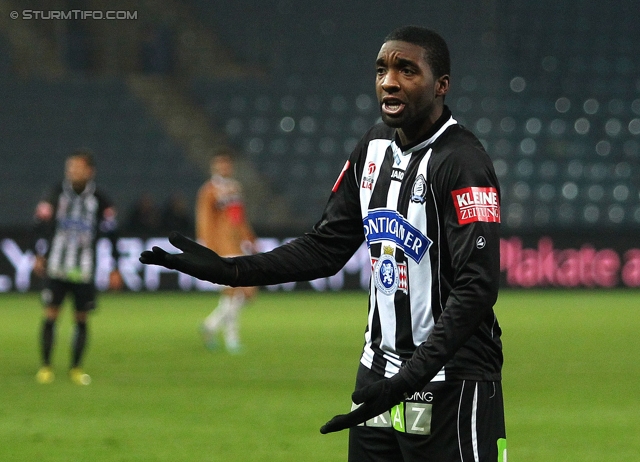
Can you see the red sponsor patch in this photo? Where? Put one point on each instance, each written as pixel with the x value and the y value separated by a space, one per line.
pixel 476 204
pixel 339 180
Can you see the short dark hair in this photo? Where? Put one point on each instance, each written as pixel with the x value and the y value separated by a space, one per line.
pixel 86 155
pixel 434 45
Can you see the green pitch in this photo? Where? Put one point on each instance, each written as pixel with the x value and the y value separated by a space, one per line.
pixel 571 379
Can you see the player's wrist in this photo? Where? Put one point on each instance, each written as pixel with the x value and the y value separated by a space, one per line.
pixel 229 273
pixel 405 382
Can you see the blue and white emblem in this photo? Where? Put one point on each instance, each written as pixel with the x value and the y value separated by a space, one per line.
pixel 384 225
pixel 386 274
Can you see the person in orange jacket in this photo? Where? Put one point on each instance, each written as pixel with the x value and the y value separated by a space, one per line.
pixel 222 226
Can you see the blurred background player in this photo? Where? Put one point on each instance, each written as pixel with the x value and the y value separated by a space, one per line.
pixel 221 226
pixel 69 222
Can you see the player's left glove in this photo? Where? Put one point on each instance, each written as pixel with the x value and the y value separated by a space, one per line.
pixel 375 399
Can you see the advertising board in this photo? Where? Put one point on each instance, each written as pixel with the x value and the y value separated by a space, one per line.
pixel 564 261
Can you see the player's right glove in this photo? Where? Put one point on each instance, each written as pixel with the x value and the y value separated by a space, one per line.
pixel 196 260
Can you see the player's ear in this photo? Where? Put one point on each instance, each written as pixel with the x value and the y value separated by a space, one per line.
pixel 442 85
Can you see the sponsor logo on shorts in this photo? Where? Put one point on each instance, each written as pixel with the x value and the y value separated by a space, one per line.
pixel 412 418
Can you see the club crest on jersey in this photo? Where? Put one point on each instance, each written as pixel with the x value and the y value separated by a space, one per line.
pixel 389 276
pixel 367 180
pixel 385 272
pixel 384 225
pixel 419 190
pixel 476 204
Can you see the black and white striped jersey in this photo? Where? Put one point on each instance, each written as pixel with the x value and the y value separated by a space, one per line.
pixel 70 222
pixel 430 216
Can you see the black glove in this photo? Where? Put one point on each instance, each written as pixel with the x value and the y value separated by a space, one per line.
pixel 376 399
pixel 196 260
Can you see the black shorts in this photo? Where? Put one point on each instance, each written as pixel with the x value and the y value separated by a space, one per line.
pixel 84 295
pixel 453 421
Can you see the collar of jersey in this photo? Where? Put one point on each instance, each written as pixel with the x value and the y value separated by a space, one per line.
pixel 444 122
pixel 89 188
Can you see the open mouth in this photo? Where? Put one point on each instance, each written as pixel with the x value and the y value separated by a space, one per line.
pixel 392 106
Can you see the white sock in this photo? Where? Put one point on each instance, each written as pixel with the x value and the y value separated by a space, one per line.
pixel 232 328
pixel 217 317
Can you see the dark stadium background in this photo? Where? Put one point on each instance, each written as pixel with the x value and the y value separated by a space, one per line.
pixel 551 88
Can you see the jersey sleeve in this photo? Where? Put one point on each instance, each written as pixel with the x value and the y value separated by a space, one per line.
pixel 467 192
pixel 325 249
pixel 44 220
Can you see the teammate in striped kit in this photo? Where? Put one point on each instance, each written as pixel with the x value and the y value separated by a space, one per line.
pixel 422 192
pixel 68 224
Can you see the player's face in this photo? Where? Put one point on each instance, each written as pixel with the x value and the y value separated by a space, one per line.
pixel 78 172
pixel 222 166
pixel 410 97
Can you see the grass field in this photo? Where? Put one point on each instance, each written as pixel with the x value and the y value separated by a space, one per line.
pixel 571 379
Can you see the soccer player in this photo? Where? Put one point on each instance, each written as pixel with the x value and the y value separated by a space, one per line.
pixel 421 191
pixel 221 226
pixel 69 222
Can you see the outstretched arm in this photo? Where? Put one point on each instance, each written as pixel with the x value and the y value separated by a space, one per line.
pixel 195 260
pixel 319 253
pixel 311 256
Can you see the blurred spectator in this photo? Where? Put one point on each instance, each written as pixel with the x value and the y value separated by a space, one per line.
pixel 176 215
pixel 143 218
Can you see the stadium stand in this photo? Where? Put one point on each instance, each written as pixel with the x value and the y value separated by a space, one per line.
pixel 300 124
pixel 551 88
pixel 5 58
pixel 557 107
pixel 44 121
pixel 566 139
pixel 298 139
